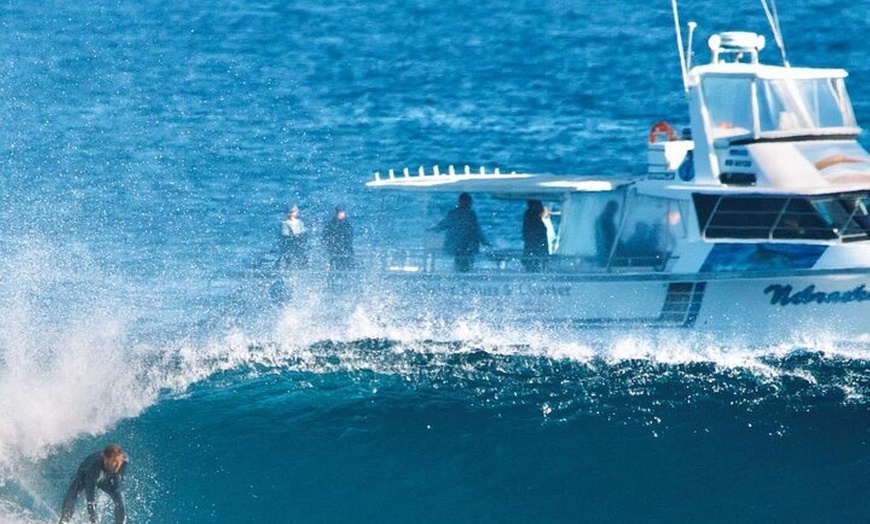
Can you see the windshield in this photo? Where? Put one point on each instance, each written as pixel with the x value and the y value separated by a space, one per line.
pixel 787 105
pixel 781 104
pixel 729 102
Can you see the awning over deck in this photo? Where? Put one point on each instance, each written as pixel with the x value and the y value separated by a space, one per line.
pixel 495 183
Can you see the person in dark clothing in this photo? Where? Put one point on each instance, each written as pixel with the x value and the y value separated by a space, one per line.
pixel 338 241
pixel 103 470
pixel 605 232
pixel 536 246
pixel 463 234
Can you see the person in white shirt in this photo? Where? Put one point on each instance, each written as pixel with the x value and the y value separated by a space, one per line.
pixel 294 237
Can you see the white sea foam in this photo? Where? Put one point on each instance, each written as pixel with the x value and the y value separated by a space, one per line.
pixel 66 367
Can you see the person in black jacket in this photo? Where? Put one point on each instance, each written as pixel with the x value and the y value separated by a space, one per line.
pixel 103 470
pixel 605 232
pixel 536 245
pixel 338 241
pixel 463 234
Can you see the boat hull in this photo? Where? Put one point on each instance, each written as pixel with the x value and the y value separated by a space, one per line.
pixel 769 307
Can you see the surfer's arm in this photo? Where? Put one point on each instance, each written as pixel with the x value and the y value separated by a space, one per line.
pixel 69 501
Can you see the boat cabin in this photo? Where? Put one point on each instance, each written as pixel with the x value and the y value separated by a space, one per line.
pixel 761 125
pixel 771 156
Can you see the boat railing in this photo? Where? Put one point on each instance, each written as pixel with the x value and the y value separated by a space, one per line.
pixel 431 261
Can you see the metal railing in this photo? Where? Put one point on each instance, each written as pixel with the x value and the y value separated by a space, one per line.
pixel 422 260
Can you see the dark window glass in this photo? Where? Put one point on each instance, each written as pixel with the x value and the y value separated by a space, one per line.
pixel 801 220
pixel 781 218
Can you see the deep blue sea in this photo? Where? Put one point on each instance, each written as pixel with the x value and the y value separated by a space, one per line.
pixel 148 151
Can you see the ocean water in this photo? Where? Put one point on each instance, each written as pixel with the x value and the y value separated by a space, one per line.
pixel 148 151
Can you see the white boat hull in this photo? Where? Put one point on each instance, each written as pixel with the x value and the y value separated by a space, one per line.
pixel 766 307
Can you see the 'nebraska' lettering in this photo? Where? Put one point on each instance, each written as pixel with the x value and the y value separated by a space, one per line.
pixel 782 295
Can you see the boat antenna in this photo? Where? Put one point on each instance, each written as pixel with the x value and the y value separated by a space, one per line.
pixel 692 26
pixel 682 54
pixel 773 20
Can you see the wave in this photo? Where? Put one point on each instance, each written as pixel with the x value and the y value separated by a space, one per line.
pixel 221 395
pixel 79 366
pixel 317 409
pixel 79 372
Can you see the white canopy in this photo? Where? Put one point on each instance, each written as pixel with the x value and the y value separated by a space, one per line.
pixel 506 185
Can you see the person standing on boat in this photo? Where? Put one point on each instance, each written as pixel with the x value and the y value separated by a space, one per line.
pixel 536 246
pixel 293 240
pixel 338 241
pixel 103 470
pixel 463 235
pixel 605 232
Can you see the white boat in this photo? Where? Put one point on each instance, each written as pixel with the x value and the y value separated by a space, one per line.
pixel 753 219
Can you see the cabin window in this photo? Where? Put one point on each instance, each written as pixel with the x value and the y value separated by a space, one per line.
pixel 649 231
pixel 843 217
pixel 790 104
pixel 848 216
pixel 619 229
pixel 729 102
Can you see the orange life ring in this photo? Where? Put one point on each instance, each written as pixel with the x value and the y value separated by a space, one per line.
pixel 662 127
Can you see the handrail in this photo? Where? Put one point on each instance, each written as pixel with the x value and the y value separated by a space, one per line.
pixel 433 261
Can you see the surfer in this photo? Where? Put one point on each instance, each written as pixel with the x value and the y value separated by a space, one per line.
pixel 103 470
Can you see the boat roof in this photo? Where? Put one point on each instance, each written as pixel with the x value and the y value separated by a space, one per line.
pixel 765 71
pixel 505 184
pixel 522 185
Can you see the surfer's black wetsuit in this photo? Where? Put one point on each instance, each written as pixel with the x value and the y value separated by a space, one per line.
pixel 89 477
